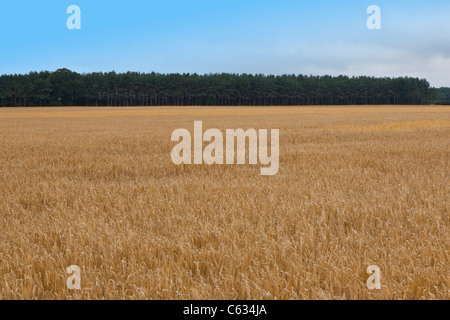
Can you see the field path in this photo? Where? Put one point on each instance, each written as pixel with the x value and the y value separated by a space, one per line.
pixel 69 112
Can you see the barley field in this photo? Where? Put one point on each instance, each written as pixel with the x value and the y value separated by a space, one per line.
pixel 96 188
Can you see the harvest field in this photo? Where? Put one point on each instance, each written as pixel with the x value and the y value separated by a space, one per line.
pixel 96 188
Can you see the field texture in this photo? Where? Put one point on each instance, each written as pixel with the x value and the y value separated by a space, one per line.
pixel 96 188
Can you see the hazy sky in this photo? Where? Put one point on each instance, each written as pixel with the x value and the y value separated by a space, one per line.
pixel 240 36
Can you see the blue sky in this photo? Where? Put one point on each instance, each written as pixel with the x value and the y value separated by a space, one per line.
pixel 240 36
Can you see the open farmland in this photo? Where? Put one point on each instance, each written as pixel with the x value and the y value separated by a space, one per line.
pixel 96 188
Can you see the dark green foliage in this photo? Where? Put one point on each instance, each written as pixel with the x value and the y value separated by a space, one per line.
pixel 443 103
pixel 442 96
pixel 64 87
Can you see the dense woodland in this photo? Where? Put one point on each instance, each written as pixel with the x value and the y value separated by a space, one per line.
pixel 442 96
pixel 66 88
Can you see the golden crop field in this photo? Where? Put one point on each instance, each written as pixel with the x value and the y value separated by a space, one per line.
pixel 96 188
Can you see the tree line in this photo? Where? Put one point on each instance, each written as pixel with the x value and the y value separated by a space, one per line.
pixel 442 96
pixel 67 88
